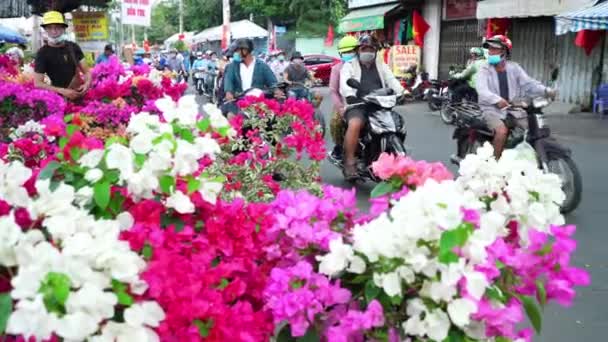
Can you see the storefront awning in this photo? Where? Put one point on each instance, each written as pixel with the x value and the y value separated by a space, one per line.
pixel 525 8
pixel 592 18
pixel 363 19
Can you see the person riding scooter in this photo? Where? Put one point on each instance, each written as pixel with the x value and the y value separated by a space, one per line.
pixel 466 90
pixel 296 76
pixel 372 74
pixel 199 68
pixel 498 83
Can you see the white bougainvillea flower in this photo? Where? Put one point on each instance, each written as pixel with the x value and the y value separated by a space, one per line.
pixel 12 178
pixel 31 319
pixel 93 175
pixel 184 111
pixel 120 157
pixel 77 326
pixel 460 311
pixel 210 191
pixel 180 202
pixel 92 158
pixel 10 234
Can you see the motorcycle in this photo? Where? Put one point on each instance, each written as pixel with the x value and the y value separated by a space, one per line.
pixel 437 95
pixel 385 131
pixel 300 92
pixel 471 132
pixel 199 80
pixel 416 86
pixel 211 84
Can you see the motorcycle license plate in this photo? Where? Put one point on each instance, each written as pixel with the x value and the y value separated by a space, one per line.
pixel 199 75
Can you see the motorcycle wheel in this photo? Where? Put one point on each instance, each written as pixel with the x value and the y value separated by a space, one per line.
pixel 563 166
pixel 395 145
pixel 434 105
pixel 446 113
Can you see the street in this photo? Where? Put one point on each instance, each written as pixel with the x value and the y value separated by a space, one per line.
pixel 429 139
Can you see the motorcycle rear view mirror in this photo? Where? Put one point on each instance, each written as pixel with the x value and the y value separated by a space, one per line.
pixel 353 83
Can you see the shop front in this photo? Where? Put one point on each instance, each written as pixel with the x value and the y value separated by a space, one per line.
pixel 391 22
pixel 460 31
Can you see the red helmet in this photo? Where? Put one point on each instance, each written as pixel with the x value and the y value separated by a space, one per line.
pixel 498 41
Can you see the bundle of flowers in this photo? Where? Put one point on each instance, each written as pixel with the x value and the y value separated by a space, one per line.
pixel 464 259
pixel 269 141
pixel 20 103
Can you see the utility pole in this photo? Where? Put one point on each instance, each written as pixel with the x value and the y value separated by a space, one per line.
pixel 181 16
pixel 226 24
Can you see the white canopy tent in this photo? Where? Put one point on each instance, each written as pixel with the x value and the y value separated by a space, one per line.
pixel 238 29
pixel 187 39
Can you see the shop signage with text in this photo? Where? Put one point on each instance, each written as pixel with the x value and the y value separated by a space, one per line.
pixel 91 30
pixel 136 12
pixel 403 57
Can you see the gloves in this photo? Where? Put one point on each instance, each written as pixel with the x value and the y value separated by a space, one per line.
pixel 352 100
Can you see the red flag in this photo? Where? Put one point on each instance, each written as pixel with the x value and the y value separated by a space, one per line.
pixel 329 40
pixel 497 26
pixel 588 39
pixel 419 28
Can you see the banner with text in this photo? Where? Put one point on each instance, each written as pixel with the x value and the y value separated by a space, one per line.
pixel 91 30
pixel 403 57
pixel 136 12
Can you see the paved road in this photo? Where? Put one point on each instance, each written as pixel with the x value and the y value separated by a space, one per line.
pixel 429 139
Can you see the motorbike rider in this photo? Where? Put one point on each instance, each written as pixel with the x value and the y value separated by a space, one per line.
pixel 499 82
pixel 212 71
pixel 199 65
pixel 296 76
pixel 244 73
pixel 347 48
pixel 467 90
pixel 175 64
pixel 373 74
pixel 279 65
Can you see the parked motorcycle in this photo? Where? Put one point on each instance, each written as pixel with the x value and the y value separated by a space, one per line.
pixel 385 132
pixel 472 132
pixel 416 86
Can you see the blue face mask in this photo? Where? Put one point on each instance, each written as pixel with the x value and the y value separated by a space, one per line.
pixel 236 58
pixel 494 59
pixel 347 57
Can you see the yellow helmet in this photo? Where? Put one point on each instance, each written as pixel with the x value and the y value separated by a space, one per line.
pixel 348 43
pixel 53 17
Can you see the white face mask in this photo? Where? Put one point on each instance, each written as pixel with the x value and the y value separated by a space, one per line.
pixel 367 57
pixel 59 39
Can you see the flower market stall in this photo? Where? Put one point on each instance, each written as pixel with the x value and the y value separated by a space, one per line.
pixel 133 217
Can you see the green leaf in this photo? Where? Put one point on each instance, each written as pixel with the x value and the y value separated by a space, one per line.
pixel 382 189
pixel 75 153
pixel 371 291
pixel 311 336
pixel 496 294
pixel 223 131
pixel 225 282
pixel 502 339
pixel 6 308
pixel 120 290
pixel 203 326
pixel 140 159
pixel 533 312
pixel 70 129
pixel 187 135
pixel 147 251
pixel 55 289
pixel 451 239
pixel 193 185
pixel 203 125
pixel 49 170
pixel 101 194
pixel 68 118
pixel 541 292
pixel 125 299
pixel 396 300
pixel 167 184
pixel 63 141
pixel 455 335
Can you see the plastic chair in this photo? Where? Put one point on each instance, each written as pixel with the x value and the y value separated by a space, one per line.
pixel 600 100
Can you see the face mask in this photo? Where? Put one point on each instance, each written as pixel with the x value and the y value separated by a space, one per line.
pixel 59 39
pixel 199 57
pixel 298 61
pixel 347 57
pixel 494 59
pixel 237 58
pixel 281 58
pixel 367 57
